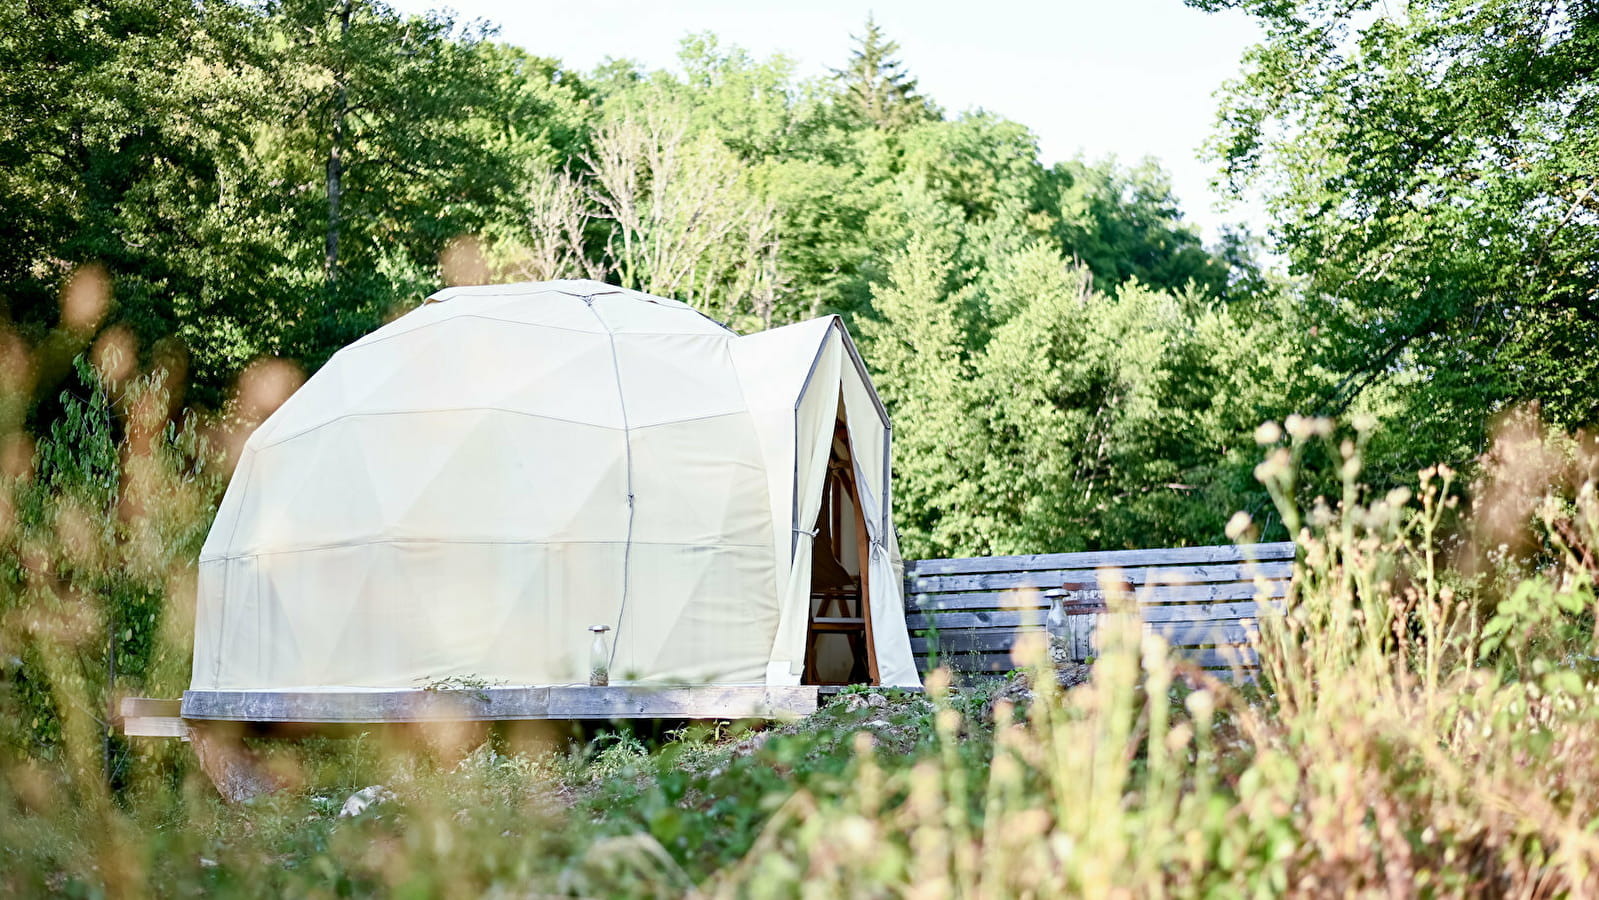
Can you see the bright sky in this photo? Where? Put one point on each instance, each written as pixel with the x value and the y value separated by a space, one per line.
pixel 1123 78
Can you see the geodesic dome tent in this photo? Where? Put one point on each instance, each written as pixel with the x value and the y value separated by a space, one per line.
pixel 464 491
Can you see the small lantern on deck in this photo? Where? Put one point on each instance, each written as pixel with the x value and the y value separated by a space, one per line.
pixel 600 657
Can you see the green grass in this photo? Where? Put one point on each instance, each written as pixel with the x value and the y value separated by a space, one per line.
pixel 1422 725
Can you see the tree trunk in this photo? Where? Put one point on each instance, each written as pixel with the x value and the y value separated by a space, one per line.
pixel 341 103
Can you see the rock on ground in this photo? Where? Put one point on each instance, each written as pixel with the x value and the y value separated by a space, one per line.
pixel 1018 691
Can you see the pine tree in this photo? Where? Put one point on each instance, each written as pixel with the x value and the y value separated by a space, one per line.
pixel 916 345
pixel 877 90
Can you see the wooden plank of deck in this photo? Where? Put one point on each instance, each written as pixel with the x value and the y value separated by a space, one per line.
pixel 151 717
pixel 503 704
pixel 708 702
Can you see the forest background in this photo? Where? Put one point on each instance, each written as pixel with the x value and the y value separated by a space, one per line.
pixel 1068 366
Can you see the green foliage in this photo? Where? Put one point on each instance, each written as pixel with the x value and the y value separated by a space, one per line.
pixel 877 91
pixel 111 513
pixel 1431 171
pixel 1124 224
pixel 1070 419
pixel 293 173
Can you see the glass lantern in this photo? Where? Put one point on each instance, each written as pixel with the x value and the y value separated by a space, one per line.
pixel 600 657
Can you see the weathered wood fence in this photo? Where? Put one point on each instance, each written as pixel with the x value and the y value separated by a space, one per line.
pixel 966 614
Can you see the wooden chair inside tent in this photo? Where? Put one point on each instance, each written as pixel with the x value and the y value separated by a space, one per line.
pixel 837 595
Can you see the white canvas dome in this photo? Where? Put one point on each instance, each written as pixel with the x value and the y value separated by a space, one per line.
pixel 463 491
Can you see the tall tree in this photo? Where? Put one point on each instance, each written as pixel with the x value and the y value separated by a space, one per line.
pixel 1434 168
pixel 1125 223
pixel 378 112
pixel 115 117
pixel 338 112
pixel 878 91
pixel 916 343
pixel 685 221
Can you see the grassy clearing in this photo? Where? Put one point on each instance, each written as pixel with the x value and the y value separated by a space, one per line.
pixel 1423 725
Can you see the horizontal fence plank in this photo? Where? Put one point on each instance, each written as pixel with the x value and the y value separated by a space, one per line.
pixel 1208 612
pixel 922 604
pixel 1135 577
pixel 1195 634
pixel 962 641
pixel 999 618
pixel 1025 618
pixel 1221 657
pixel 1178 634
pixel 967 662
pixel 975 662
pixel 1096 559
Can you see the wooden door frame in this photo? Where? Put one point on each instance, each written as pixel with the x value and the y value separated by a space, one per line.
pixel 863 543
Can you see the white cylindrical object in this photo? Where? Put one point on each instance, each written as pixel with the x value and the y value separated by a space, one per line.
pixel 600 657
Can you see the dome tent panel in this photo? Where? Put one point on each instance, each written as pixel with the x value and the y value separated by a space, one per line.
pixel 693 615
pixel 402 614
pixel 437 489
pixel 675 377
pixel 512 367
pixel 422 476
pixel 323 463
pixel 701 483
pixel 632 312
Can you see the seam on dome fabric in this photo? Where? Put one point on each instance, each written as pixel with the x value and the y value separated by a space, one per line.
pixel 467 291
pixel 721 415
pixel 362 344
pixel 508 542
pixel 247 458
pixel 514 412
pixel 422 412
pixel 647 298
pixel 627 447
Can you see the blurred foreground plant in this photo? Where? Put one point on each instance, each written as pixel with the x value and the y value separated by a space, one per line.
pixel 1416 726
pixel 1394 742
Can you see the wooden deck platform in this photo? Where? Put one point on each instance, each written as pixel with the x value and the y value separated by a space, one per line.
pixel 502 704
pixel 213 721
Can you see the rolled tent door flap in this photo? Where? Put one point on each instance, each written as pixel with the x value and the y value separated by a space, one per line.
pixel 870 441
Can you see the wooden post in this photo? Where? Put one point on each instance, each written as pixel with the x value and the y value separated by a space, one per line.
pixel 235 769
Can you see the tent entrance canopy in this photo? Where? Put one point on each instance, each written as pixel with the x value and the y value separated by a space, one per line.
pixel 463 492
pixel 816 364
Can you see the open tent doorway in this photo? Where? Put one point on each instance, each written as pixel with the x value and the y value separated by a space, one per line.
pixel 839 648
